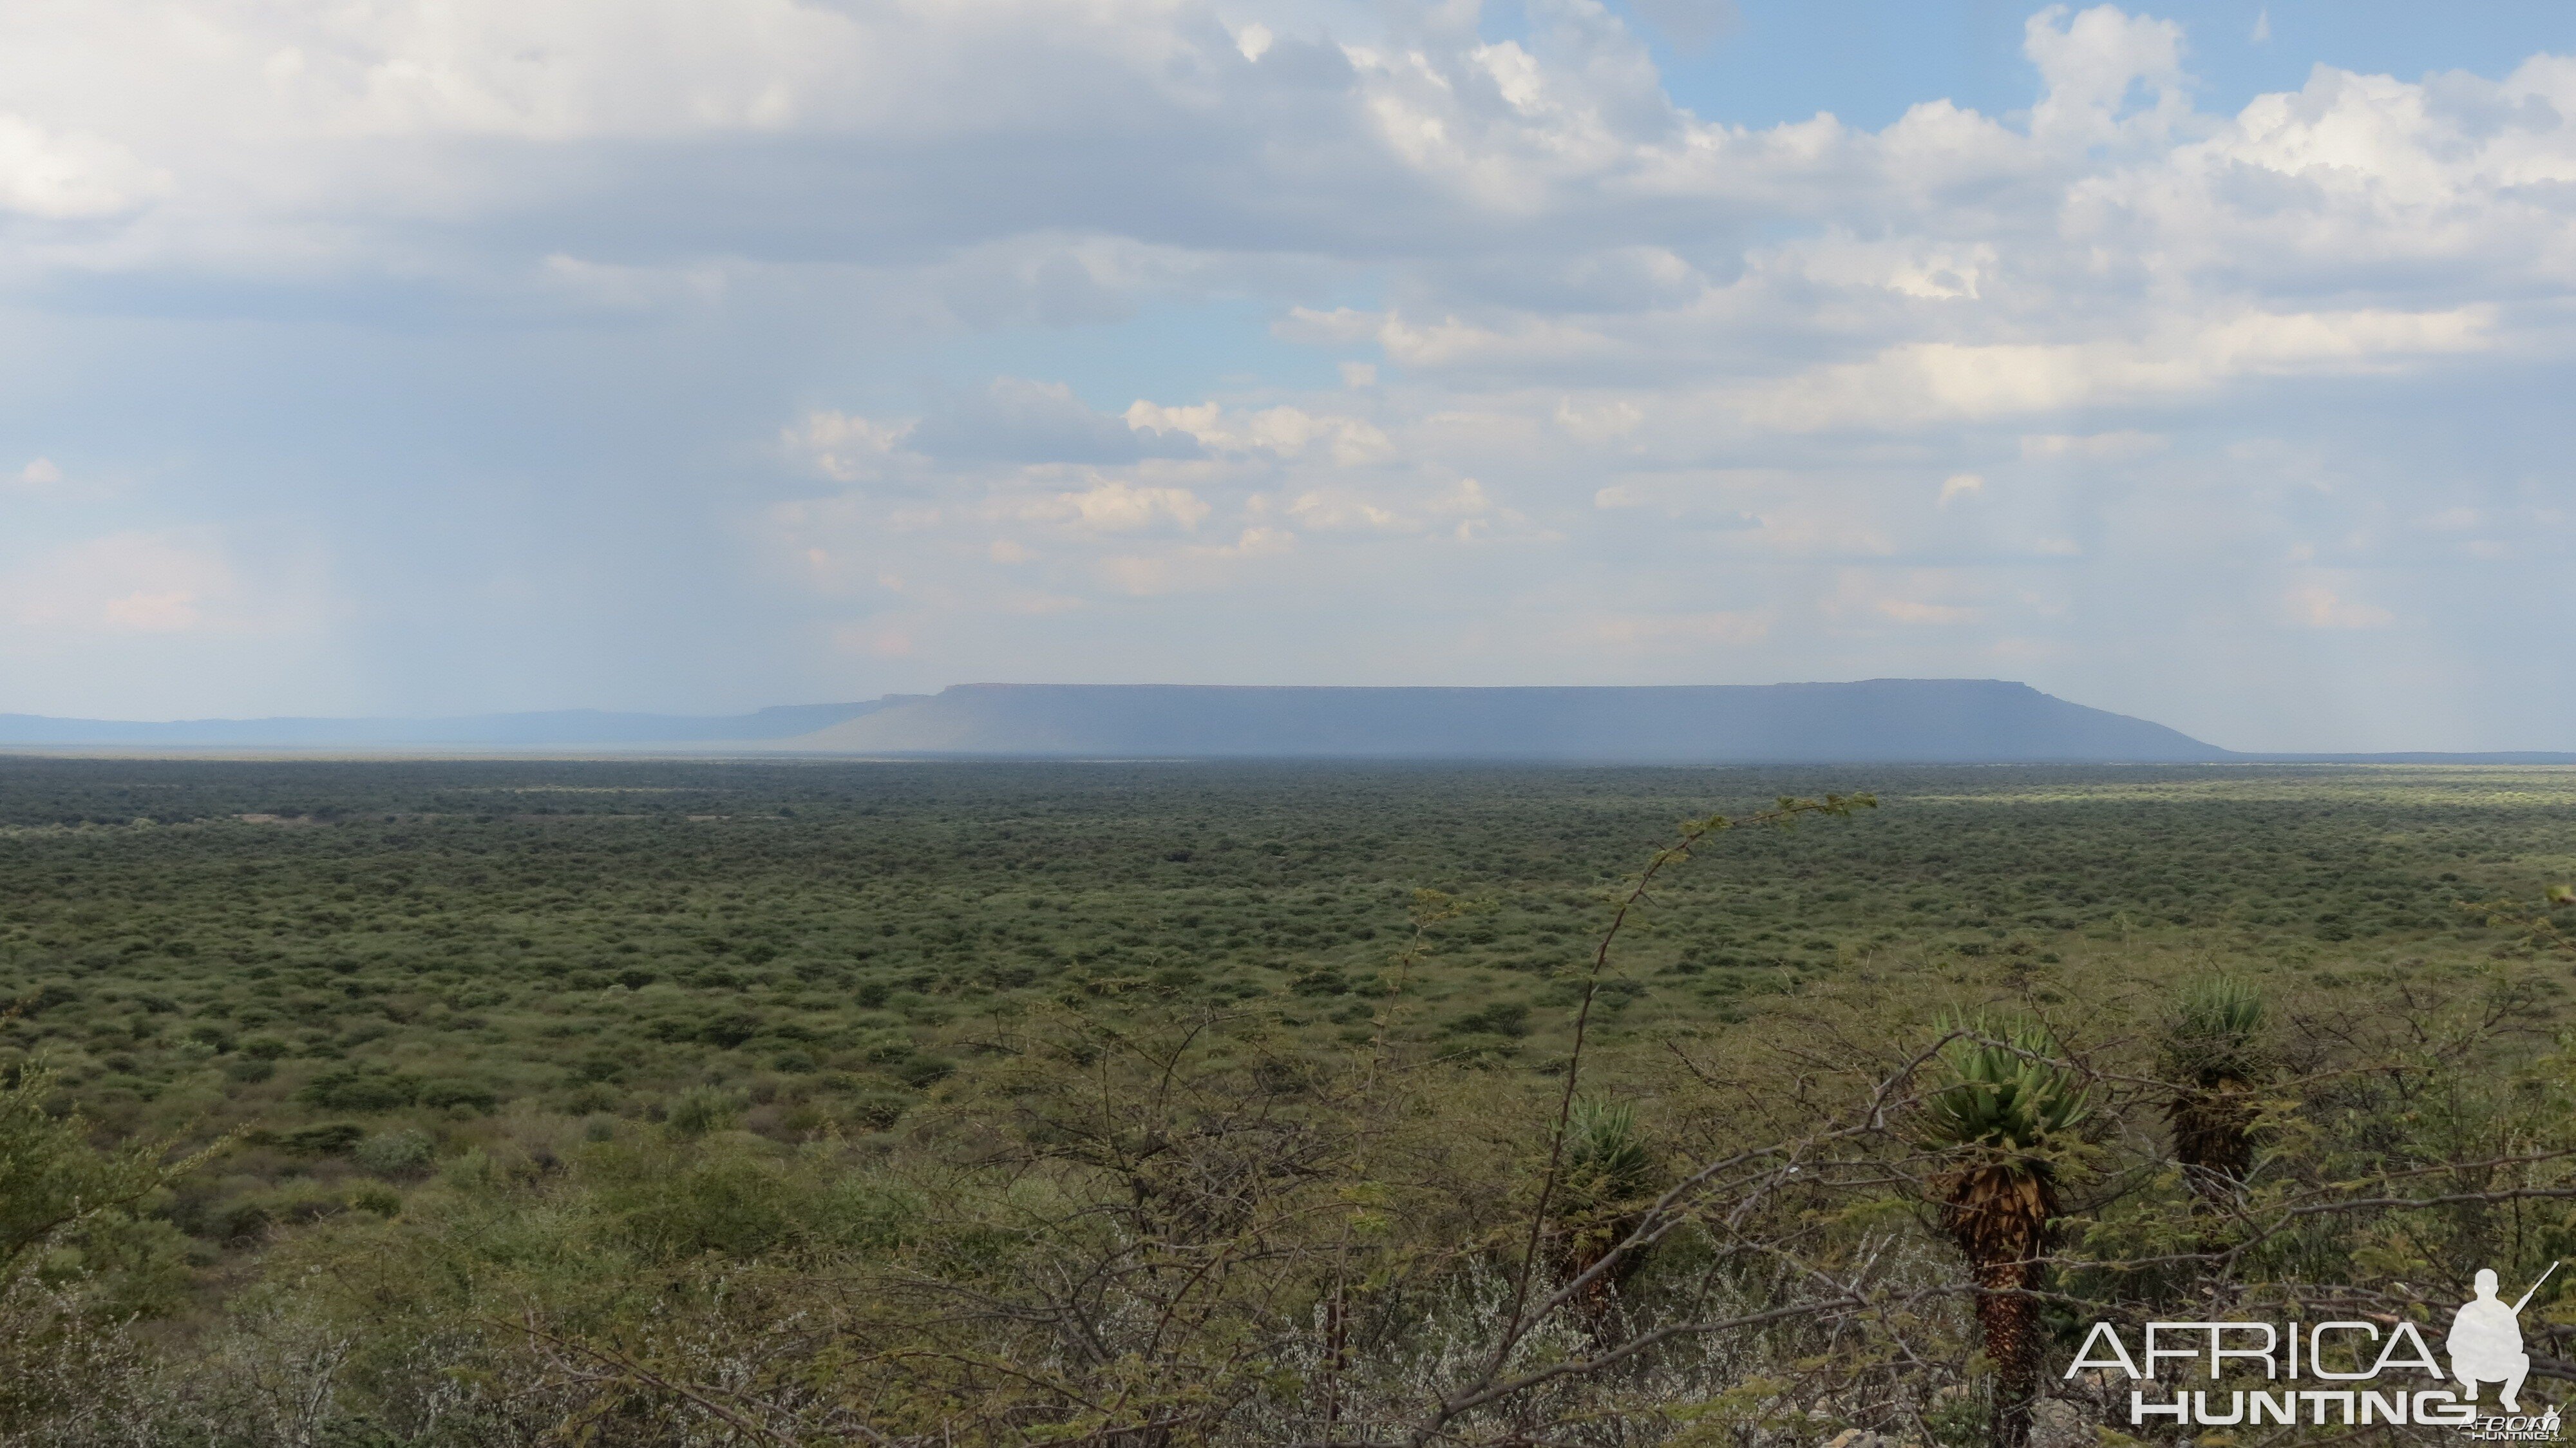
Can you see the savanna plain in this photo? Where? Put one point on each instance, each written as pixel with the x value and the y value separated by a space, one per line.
pixel 801 1102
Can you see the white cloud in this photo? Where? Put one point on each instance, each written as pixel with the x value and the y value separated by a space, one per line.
pixel 1341 510
pixel 166 622
pixel 843 446
pixel 1867 600
pixel 69 177
pixel 1116 506
pixel 1198 568
pixel 1673 354
pixel 1467 499
pixel 2093 62
pixel 1016 420
pixel 1599 422
pixel 2100 447
pixel 1918 269
pixel 123 583
pixel 1551 175
pixel 2317 605
pixel 1286 432
pixel 1920 383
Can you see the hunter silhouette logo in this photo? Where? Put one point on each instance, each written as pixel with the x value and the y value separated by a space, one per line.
pixel 2486 1341
pixel 2360 1368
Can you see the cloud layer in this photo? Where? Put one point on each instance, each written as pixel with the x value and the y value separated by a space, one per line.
pixel 802 350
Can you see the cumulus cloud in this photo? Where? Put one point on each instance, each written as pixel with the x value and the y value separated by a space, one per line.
pixel 1688 383
pixel 2094 64
pixel 1285 432
pixel 1544 195
pixel 1120 507
pixel 1333 510
pixel 844 445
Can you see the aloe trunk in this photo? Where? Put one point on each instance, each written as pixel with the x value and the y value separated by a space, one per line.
pixel 2212 1053
pixel 1607 1182
pixel 1999 1216
pixel 1999 1120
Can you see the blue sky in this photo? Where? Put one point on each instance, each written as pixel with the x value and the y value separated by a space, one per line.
pixel 1868 60
pixel 2205 362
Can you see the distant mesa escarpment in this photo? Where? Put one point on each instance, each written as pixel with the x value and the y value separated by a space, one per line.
pixel 1930 721
pixel 1886 721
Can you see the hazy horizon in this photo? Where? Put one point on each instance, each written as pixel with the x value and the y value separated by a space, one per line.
pixel 2193 362
pixel 2568 745
pixel 1881 720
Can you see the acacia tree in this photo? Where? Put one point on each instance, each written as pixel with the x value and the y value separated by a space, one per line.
pixel 56 1189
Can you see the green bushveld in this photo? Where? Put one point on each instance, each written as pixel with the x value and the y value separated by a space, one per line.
pixel 670 1102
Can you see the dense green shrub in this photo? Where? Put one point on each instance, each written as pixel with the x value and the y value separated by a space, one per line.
pixel 459 1095
pixel 328 1139
pixel 397 1153
pixel 360 1088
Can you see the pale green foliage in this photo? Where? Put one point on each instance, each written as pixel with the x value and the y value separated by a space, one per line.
pixel 702 1109
pixel 2215 1031
pixel 52 1182
pixel 77 1263
pixel 397 1153
pixel 1605 1153
pixel 2007 1094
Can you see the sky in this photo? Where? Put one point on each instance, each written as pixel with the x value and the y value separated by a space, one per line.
pixel 2208 363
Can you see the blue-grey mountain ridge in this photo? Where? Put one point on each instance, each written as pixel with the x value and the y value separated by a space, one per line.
pixel 1926 720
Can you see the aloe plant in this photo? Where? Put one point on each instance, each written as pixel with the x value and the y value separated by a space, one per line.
pixel 2213 1051
pixel 2006 1105
pixel 1607 1180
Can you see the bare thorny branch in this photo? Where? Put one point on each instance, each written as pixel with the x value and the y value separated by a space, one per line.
pixel 1484 1387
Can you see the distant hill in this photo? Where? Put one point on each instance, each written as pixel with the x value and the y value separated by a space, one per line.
pixel 1918 721
pixel 561 728
pixel 1960 721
